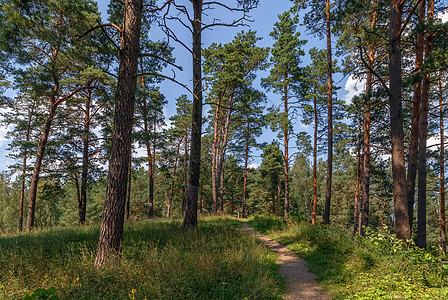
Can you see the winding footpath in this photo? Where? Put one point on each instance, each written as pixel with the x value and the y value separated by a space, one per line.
pixel 301 283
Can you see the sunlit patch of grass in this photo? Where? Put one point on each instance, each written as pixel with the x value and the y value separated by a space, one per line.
pixel 160 261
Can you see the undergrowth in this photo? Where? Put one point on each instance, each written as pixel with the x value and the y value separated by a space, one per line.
pixel 160 261
pixel 377 266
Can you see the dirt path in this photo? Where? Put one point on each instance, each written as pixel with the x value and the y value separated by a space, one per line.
pixel 301 283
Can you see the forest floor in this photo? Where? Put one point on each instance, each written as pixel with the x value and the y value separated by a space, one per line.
pixel 301 284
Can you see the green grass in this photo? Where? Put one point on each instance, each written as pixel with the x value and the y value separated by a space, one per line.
pixel 375 267
pixel 160 261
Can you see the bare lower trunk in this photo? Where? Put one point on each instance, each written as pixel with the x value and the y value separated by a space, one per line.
pixel 82 204
pixel 330 117
pixel 185 171
pixel 191 218
pixel 423 133
pixel 37 165
pixel 396 119
pixel 221 191
pixel 111 232
pixel 279 190
pixel 128 191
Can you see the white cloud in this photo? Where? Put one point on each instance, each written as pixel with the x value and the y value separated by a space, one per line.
pixel 354 87
pixel 443 16
pixel 254 165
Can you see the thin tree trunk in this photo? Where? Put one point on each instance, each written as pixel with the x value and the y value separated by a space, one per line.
pixel 221 191
pixel 37 165
pixel 413 145
pixel 23 179
pixel 330 116
pixel 286 142
pixel 173 176
pixel 246 159
pixel 279 190
pixel 111 232
pixel 313 220
pixel 215 158
pixel 423 133
pixel 366 149
pixel 357 190
pixel 82 204
pixel 191 213
pixel 396 119
pixel 442 169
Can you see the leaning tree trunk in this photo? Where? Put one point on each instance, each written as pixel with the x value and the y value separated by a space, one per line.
pixel 111 232
pixel 442 170
pixel 396 118
pixel 191 213
pixel 423 133
pixel 329 117
pixel 413 144
pixel 37 165
pixel 215 155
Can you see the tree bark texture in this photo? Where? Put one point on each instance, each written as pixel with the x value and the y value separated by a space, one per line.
pixel 357 192
pixel 330 116
pixel 111 232
pixel 423 134
pixel 191 213
pixel 396 118
pixel 246 160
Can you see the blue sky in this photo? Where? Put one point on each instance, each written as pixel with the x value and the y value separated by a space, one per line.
pixel 264 16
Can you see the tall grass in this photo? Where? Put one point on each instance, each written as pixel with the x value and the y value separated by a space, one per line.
pixel 377 266
pixel 160 261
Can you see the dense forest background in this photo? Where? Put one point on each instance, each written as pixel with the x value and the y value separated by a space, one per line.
pixel 63 65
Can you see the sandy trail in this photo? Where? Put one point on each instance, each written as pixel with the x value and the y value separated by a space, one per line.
pixel 301 283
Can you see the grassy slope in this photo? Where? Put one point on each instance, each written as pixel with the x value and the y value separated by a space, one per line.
pixel 160 261
pixel 376 267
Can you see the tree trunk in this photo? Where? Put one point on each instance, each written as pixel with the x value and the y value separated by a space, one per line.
pixel 85 161
pixel 286 142
pixel 313 219
pixel 246 159
pixel 396 119
pixel 413 145
pixel 330 116
pixel 173 176
pixel 279 191
pixel 23 179
pixel 111 232
pixel 221 190
pixel 37 165
pixel 191 213
pixel 357 190
pixel 423 133
pixel 442 170
pixel 215 158
pixel 366 149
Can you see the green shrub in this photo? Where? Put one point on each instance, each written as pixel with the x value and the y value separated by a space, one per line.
pixel 266 223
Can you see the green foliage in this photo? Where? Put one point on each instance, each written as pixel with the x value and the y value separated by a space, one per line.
pixel 43 294
pixel 377 266
pixel 267 223
pixel 159 261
